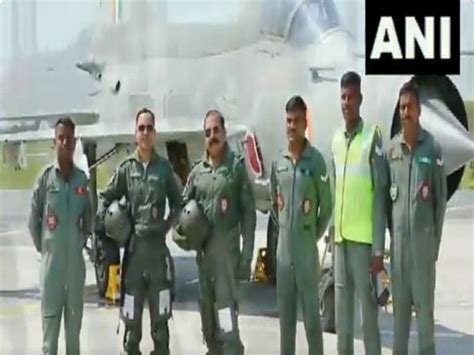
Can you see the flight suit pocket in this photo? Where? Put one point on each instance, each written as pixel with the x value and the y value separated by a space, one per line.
pixel 226 321
pixel 53 195
pixel 305 180
pixel 423 170
pixel 308 201
pixel 307 214
pixel 47 246
pixel 163 302
pixel 135 188
pixel 156 187
pixel 283 175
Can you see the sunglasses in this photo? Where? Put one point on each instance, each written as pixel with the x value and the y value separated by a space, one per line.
pixel 148 128
pixel 214 130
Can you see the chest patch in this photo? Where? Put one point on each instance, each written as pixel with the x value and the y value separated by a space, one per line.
pixel 81 190
pixel 154 213
pixel 51 221
pixel 393 192
pixel 307 206
pixel 224 205
pixel 425 190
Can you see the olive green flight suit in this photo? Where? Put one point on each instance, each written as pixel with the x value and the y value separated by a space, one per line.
pixel 302 201
pixel 418 195
pixel 352 262
pixel 59 223
pixel 227 197
pixel 145 271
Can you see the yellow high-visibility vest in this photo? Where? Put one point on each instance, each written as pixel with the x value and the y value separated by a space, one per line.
pixel 353 207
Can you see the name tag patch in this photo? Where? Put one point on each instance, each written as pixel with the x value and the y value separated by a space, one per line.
pixel 424 160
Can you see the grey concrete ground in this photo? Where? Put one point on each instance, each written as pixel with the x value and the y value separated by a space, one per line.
pixel 20 321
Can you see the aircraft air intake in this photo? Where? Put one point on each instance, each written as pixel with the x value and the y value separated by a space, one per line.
pixel 254 156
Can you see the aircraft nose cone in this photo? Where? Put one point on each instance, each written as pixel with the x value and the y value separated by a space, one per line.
pixel 456 143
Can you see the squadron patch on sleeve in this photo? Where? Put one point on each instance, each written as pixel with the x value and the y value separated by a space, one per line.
pixel 280 201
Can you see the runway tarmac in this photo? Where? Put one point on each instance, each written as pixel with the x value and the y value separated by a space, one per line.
pixel 20 319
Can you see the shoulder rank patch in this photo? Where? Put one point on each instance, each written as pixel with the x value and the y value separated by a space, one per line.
pixel 196 162
pixel 395 154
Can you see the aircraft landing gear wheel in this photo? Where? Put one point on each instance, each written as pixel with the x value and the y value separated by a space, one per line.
pixel 272 241
pixel 107 253
pixel 327 302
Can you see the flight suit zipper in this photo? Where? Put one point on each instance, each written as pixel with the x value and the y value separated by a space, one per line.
pixel 292 207
pixel 215 203
pixel 292 195
pixel 68 252
pixel 409 192
pixel 344 184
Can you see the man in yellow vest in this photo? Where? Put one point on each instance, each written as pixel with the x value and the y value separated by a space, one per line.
pixel 359 180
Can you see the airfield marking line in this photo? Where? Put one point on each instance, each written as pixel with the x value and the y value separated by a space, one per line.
pixel 437 334
pixel 18 310
pixel 14 231
pixel 455 208
pixel 17 247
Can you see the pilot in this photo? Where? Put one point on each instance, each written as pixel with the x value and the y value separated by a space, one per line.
pixel 301 199
pixel 146 180
pixel 359 181
pixel 59 224
pixel 220 184
pixel 417 193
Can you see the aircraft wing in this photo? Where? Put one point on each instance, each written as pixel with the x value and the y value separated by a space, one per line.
pixel 179 129
pixel 107 135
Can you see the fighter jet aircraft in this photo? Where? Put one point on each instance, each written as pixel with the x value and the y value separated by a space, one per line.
pixel 247 66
